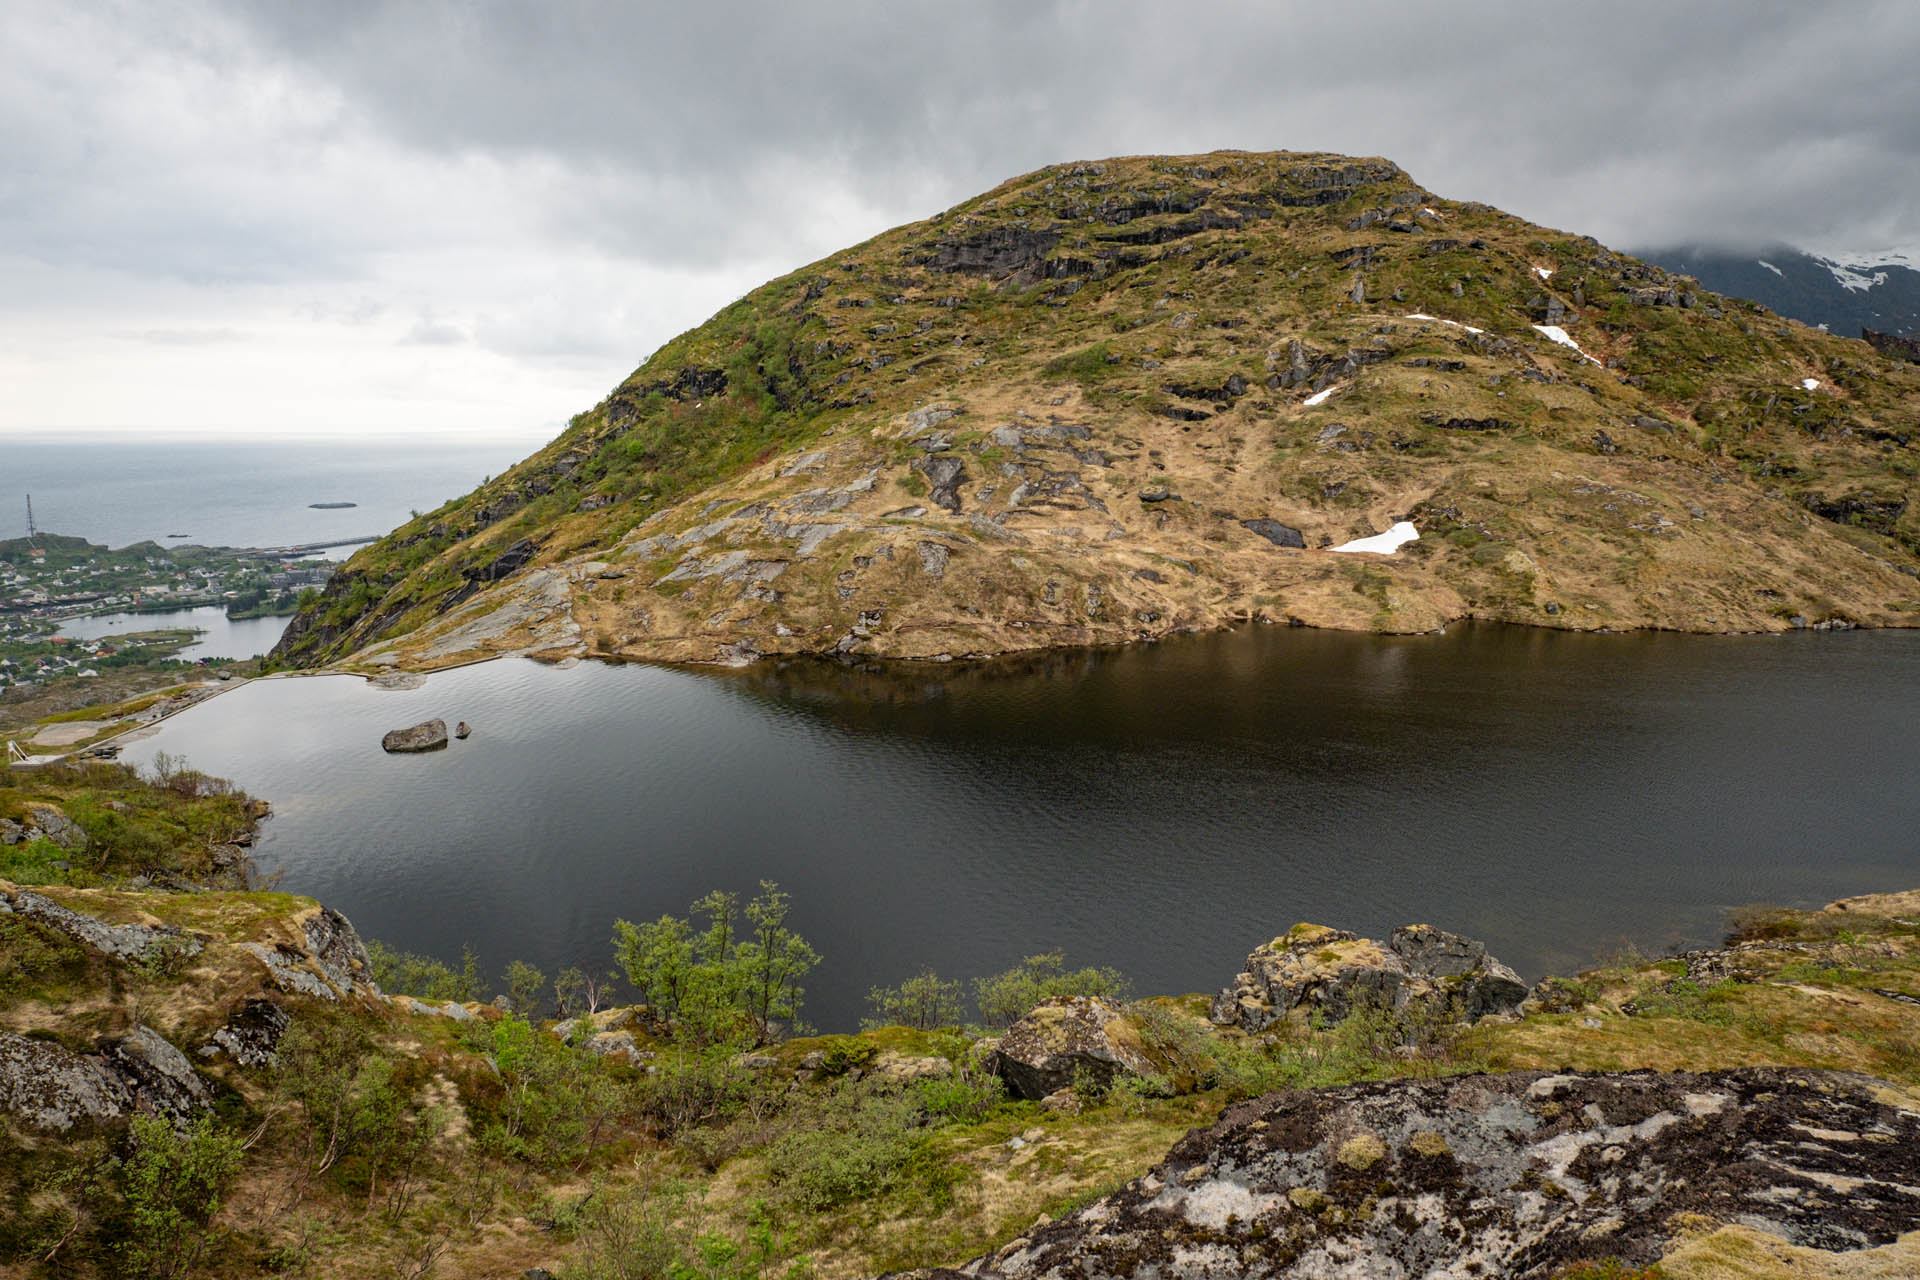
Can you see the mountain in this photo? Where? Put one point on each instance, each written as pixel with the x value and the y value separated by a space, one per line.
pixel 1111 401
pixel 1843 294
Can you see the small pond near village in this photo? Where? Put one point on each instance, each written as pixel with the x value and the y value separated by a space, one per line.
pixel 1160 809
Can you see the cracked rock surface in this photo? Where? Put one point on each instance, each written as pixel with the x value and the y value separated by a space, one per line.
pixel 1517 1175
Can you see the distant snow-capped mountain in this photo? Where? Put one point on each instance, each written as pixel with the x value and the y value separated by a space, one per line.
pixel 1841 292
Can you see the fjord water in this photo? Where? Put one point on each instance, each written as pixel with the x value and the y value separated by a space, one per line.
pixel 220 636
pixel 1160 809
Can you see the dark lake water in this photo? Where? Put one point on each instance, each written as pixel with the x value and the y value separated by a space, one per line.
pixel 1160 809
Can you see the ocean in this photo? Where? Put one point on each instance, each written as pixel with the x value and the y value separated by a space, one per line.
pixel 253 493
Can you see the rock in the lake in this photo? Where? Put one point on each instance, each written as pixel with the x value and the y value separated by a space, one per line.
pixel 462 729
pixel 428 735
pixel 1330 972
pixel 1041 1053
pixel 1521 1175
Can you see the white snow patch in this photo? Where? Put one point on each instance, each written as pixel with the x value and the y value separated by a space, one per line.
pixel 1386 543
pixel 1769 266
pixel 1546 273
pixel 1561 336
pixel 1854 280
pixel 1809 384
pixel 1318 397
pixel 1421 315
pixel 1909 258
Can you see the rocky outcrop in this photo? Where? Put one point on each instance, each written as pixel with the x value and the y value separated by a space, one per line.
pixel 158 1075
pixel 1519 1175
pixel 51 1087
pixel 124 942
pixel 338 951
pixel 1330 972
pixel 428 735
pixel 1065 1037
pixel 251 1037
pixel 48 821
pixel 1893 344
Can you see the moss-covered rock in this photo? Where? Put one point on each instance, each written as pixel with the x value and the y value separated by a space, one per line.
pixel 1328 973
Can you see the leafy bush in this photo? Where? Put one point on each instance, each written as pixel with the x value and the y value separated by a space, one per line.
pixel 404 973
pixel 865 1147
pixel 923 1002
pixel 173 1184
pixel 557 1102
pixel 711 985
pixel 1006 997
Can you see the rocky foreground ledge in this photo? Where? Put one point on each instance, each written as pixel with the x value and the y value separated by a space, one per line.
pixel 1522 1175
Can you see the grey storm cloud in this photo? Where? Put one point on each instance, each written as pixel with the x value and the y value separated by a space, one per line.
pixel 552 188
pixel 695 129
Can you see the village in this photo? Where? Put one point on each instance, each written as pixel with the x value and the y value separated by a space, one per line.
pixel 52 579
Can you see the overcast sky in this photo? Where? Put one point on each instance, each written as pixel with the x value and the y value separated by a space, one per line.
pixel 354 216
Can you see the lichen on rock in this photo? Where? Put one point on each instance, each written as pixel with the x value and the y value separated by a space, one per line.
pixel 1331 972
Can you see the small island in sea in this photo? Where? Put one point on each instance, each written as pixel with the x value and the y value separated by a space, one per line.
pixel 330 506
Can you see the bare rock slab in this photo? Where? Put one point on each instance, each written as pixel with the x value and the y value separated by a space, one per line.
pixel 1519 1175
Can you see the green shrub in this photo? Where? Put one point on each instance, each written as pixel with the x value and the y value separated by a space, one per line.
pixel 923 1002
pixel 404 973
pixel 173 1183
pixel 864 1151
pixel 712 984
pixel 1007 997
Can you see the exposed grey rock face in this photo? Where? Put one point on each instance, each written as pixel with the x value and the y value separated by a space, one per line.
pixel 333 964
pixel 251 1036
pixel 1330 971
pixel 159 1075
pixel 338 951
pixel 1278 534
pixel 945 474
pixel 56 826
pixel 50 1087
pixel 116 941
pixel 1516 1175
pixel 428 735
pixel 1041 1053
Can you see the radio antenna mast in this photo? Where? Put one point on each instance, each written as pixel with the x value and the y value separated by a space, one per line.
pixel 33 534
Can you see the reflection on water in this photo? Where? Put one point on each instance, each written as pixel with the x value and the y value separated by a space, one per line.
pixel 1159 808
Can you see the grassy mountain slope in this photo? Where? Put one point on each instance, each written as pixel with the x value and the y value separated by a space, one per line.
pixel 1087 407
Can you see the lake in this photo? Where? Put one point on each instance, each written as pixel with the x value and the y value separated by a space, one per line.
pixel 1159 808
pixel 224 637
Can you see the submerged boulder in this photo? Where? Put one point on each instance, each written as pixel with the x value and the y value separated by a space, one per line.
pixel 428 735
pixel 1330 972
pixel 1521 1175
pixel 1065 1037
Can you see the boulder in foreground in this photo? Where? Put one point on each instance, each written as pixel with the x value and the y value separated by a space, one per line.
pixel 428 735
pixel 1065 1037
pixel 1519 1175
